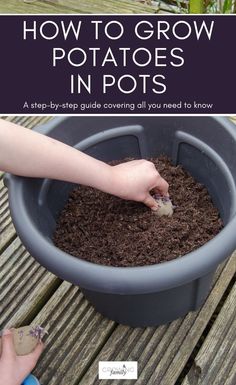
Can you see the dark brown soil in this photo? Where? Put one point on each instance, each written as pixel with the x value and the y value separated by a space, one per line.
pixel 106 230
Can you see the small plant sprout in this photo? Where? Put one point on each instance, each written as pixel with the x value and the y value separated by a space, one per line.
pixel 37 332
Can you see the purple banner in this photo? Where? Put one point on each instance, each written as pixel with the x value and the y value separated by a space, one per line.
pixel 117 64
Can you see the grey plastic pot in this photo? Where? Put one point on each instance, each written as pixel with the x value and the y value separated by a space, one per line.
pixel 137 296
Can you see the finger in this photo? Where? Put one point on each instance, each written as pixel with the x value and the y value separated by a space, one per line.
pixel 135 162
pixel 162 187
pixel 151 202
pixel 8 348
pixel 37 352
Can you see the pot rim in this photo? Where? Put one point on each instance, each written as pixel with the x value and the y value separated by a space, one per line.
pixel 119 280
pixel 111 279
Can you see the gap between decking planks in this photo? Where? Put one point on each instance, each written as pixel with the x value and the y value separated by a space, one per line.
pixel 69 317
pixel 25 286
pixel 215 362
pixel 163 356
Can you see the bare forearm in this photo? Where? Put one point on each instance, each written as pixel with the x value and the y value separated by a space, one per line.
pixel 24 152
pixel 27 153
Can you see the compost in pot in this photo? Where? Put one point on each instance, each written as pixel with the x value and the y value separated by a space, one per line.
pixel 104 229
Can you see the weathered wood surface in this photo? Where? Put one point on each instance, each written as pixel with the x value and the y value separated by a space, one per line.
pixel 215 363
pixel 162 352
pixel 233 118
pixel 7 231
pixel 25 286
pixel 76 6
pixel 27 121
pixel 76 334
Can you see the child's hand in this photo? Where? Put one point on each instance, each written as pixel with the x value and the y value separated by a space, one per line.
pixel 55 160
pixel 13 368
pixel 134 180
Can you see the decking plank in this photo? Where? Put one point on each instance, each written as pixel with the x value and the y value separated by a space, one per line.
pixel 75 6
pixel 174 366
pixel 216 358
pixel 20 7
pixel 7 230
pixel 107 6
pixel 24 286
pixel 27 121
pixel 164 355
pixel 76 334
pixel 231 380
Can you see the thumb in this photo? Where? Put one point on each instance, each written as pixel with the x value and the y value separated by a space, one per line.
pixel 8 348
pixel 150 202
pixel 35 354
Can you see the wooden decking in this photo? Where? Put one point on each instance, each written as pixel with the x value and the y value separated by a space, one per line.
pixel 199 349
pixel 85 6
